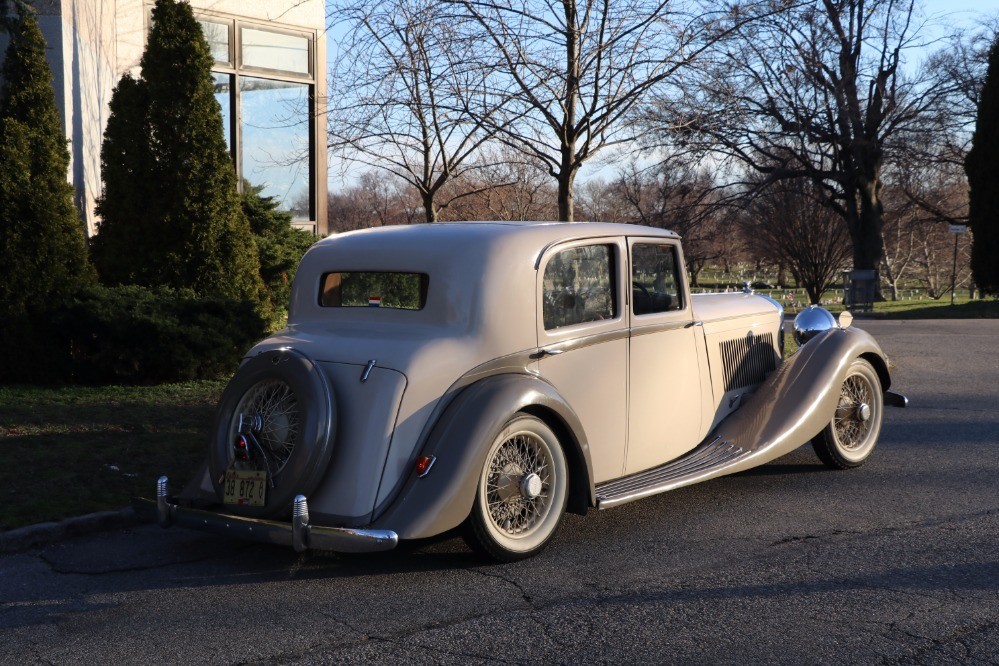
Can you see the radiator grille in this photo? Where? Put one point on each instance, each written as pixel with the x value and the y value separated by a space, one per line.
pixel 748 360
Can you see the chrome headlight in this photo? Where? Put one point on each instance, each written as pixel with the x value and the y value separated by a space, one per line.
pixel 810 322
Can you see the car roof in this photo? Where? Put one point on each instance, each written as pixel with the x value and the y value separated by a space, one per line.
pixel 530 236
pixel 482 270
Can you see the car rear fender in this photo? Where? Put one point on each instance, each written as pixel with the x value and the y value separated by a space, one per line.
pixel 797 401
pixel 459 442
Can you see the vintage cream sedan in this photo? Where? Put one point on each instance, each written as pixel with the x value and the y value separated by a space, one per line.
pixel 492 376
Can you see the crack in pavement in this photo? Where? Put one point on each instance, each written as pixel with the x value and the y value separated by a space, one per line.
pixel 398 639
pixel 949 523
pixel 954 638
pixel 528 599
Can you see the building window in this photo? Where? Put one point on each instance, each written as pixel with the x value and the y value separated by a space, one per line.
pixel 219 40
pixel 275 141
pixel 276 51
pixel 265 85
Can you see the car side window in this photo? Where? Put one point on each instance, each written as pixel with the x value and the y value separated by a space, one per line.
pixel 655 279
pixel 579 286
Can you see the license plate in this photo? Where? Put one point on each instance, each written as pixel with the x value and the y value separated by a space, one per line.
pixel 245 488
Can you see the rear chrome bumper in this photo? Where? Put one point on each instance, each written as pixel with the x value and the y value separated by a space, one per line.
pixel 298 534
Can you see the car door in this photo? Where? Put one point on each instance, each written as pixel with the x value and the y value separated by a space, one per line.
pixel 583 342
pixel 665 358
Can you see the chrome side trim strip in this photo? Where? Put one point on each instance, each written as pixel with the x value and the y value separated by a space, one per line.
pixel 717 320
pixel 586 341
pixel 658 328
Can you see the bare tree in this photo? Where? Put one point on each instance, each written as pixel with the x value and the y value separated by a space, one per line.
pixel 926 196
pixel 674 194
pixel 574 70
pixel 507 186
pixel 934 262
pixel 900 241
pixel 375 199
pixel 790 222
pixel 934 147
pixel 409 96
pixel 815 90
pixel 601 201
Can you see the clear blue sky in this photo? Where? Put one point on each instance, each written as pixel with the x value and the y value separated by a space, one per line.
pixel 961 12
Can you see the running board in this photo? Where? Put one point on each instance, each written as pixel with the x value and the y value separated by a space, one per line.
pixel 706 461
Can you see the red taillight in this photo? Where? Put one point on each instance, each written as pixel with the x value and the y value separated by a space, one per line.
pixel 423 465
pixel 242 448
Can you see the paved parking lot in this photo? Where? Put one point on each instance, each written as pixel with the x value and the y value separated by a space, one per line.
pixel 894 562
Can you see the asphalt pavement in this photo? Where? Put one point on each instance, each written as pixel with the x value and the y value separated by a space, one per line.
pixel 893 562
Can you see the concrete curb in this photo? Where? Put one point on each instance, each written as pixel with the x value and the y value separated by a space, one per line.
pixel 43 534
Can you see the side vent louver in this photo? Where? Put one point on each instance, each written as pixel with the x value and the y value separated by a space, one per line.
pixel 748 360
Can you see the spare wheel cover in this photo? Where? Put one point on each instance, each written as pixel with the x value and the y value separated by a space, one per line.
pixel 292 402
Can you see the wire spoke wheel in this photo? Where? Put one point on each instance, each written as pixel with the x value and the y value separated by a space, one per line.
pixel 513 508
pixel 852 422
pixel 522 491
pixel 278 416
pixel 270 412
pixel 850 437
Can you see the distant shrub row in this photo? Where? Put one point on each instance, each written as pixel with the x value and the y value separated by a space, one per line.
pixel 128 335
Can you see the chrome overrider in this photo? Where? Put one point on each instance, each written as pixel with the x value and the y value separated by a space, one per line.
pixel 299 534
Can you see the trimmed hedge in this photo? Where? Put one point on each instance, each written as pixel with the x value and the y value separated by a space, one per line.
pixel 129 335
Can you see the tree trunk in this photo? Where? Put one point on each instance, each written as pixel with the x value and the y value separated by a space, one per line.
pixel 866 229
pixel 694 272
pixel 429 208
pixel 566 180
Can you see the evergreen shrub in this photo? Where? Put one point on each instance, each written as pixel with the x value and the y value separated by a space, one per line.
pixel 281 245
pixel 130 335
pixel 43 253
pixel 170 210
pixel 982 168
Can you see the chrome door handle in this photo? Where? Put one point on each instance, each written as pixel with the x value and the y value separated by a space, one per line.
pixel 547 352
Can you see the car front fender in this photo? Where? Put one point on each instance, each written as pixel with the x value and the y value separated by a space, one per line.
pixel 797 401
pixel 459 442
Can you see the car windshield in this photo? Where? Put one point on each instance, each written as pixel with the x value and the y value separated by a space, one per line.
pixel 374 289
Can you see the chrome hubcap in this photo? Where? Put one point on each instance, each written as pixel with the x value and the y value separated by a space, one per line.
pixel 863 411
pixel 530 486
pixel 518 486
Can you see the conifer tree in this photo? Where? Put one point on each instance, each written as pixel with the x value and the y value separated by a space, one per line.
pixel 170 210
pixel 982 167
pixel 281 245
pixel 43 252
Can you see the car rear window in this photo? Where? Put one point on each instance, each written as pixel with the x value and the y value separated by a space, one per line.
pixel 374 289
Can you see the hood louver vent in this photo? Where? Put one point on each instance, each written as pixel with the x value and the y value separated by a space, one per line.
pixel 748 360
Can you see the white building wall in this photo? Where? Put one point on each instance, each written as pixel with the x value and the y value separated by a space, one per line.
pixel 92 43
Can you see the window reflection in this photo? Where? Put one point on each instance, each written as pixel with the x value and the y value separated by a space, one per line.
pixel 217 35
pixel 578 286
pixel 223 95
pixel 655 279
pixel 275 141
pixel 272 50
